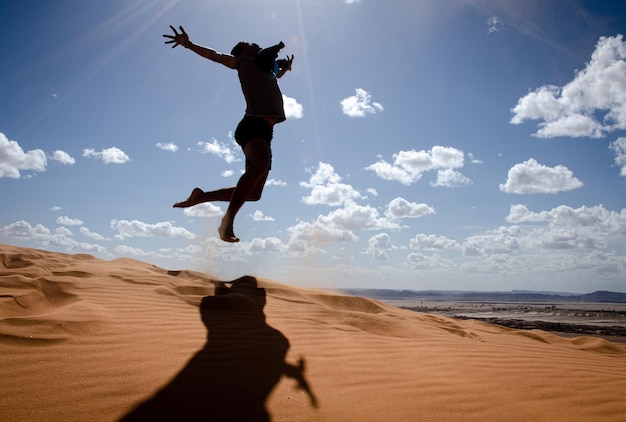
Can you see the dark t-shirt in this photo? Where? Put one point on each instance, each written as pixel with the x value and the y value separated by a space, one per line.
pixel 260 89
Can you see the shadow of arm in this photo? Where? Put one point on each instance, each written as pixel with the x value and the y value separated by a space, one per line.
pixel 297 373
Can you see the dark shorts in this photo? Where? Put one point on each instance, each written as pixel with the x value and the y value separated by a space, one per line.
pixel 251 127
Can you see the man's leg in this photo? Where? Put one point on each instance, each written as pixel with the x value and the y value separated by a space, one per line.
pixel 198 196
pixel 249 187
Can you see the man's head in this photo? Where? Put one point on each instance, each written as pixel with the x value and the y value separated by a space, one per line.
pixel 245 49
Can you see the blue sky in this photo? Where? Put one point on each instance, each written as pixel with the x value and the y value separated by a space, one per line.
pixel 472 145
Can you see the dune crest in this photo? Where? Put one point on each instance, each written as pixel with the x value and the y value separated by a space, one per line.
pixel 87 339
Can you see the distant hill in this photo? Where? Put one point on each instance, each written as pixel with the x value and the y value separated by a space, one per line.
pixel 469 296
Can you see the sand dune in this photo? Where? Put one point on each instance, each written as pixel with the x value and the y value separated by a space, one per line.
pixel 86 339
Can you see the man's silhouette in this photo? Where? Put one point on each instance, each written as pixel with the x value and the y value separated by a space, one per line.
pixel 258 72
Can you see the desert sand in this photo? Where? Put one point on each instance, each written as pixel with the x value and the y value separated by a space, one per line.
pixel 88 339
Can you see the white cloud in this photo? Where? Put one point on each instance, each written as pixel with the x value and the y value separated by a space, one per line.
pixel 66 221
pixel 92 235
pixel 203 210
pixel 387 171
pixel 218 148
pixel 63 158
pixel 448 178
pixel 168 146
pixel 432 242
pixel 494 24
pixel 63 231
pixel 111 155
pixel 269 244
pixel 532 177
pixel 332 194
pixel 274 182
pixel 61 237
pixel 137 228
pixel 378 245
pixel 125 250
pixel 305 235
pixel 409 166
pixel 598 89
pixel 503 240
pixel 472 159
pixel 23 230
pixel 401 208
pixel 619 147
pixel 360 105
pixel 326 189
pixel 336 227
pixel 420 261
pixel 568 227
pixel 293 110
pixel 259 216
pixel 13 159
pixel 357 217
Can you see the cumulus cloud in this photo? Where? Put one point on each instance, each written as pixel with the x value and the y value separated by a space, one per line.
pixel 66 221
pixel 401 208
pixel 449 178
pixel 420 261
pixel 92 235
pixel 357 217
pixel 269 244
pixel 360 104
pixel 619 148
pixel 274 182
pixel 532 177
pixel 435 243
pixel 305 234
pixel 137 228
pixel 111 155
pixel 203 210
pixel 409 166
pixel 63 158
pixel 378 245
pixel 293 110
pixel 23 230
pixel 259 216
pixel 326 188
pixel 503 240
pixel 336 227
pixel 572 110
pixel 167 146
pixel 13 159
pixel 567 227
pixel 218 148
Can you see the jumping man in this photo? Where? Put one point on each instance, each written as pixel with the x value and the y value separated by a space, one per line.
pixel 258 72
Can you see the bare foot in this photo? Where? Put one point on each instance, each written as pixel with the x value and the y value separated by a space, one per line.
pixel 227 233
pixel 194 199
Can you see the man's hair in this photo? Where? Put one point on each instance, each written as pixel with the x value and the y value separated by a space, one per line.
pixel 237 49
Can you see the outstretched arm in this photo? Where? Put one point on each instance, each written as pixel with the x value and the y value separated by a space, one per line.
pixel 297 373
pixel 208 53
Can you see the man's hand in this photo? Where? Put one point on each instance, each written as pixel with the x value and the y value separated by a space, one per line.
pixel 178 39
pixel 285 64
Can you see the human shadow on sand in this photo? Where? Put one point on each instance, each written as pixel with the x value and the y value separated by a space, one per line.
pixel 231 378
